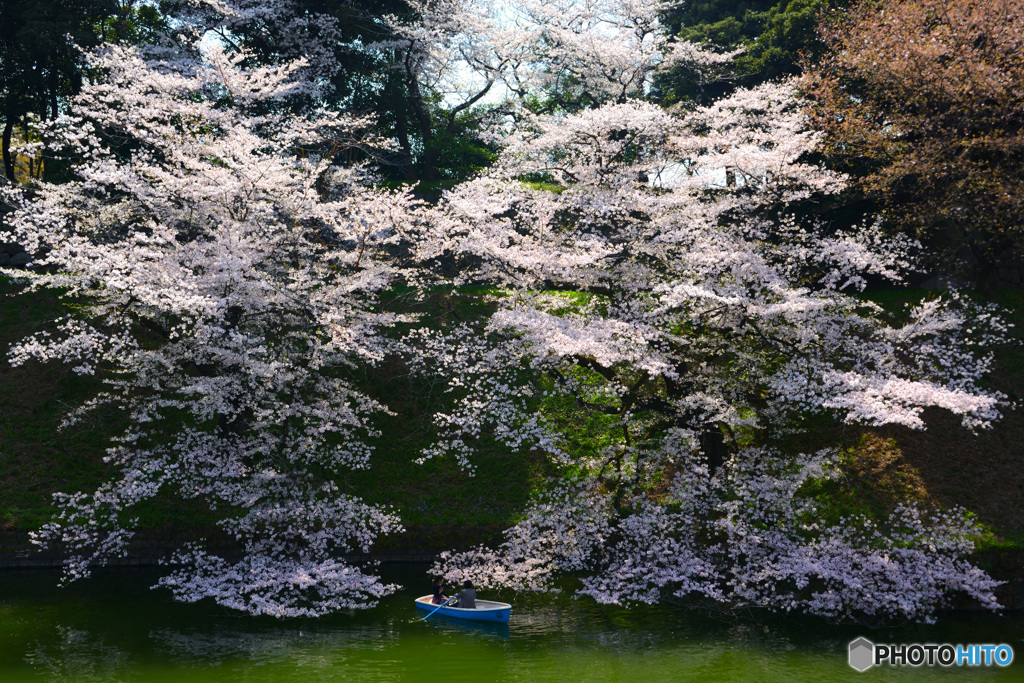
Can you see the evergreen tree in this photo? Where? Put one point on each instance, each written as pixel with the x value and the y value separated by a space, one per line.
pixel 41 61
pixel 774 36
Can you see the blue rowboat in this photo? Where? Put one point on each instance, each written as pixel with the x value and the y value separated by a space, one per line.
pixel 486 610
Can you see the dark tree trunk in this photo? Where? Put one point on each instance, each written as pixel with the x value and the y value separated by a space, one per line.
pixel 54 89
pixel 406 163
pixel 712 442
pixel 419 107
pixel 8 160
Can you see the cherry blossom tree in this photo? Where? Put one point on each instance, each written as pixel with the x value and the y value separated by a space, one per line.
pixel 663 285
pixel 657 287
pixel 228 271
pixel 744 536
pixel 577 53
pixel 275 31
pixel 456 55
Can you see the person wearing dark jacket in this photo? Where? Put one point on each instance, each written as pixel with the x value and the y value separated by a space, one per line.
pixel 467 596
pixel 439 596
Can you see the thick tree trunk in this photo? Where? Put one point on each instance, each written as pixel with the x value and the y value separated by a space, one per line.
pixel 8 160
pixel 406 163
pixel 419 106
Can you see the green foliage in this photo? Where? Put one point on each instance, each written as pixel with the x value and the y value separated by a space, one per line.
pixel 991 540
pixel 454 152
pixel 788 37
pixel 776 35
pixel 585 431
pixel 441 504
pixel 41 63
pixel 723 23
pixel 544 185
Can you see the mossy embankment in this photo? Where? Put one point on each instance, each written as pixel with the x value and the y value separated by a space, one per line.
pixel 945 465
pixel 440 504
pixel 949 465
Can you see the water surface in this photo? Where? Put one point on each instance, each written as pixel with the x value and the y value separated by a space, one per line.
pixel 114 628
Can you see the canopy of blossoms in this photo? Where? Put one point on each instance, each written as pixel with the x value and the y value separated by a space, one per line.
pixel 667 279
pixel 230 269
pixel 657 275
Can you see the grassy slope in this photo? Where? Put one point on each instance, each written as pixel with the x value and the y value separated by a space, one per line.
pixel 442 505
pixel 983 472
pixel 944 465
pixel 36 458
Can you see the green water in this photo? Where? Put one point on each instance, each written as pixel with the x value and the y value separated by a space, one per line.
pixel 113 628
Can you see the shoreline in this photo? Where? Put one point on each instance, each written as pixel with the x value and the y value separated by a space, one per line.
pixel 146 551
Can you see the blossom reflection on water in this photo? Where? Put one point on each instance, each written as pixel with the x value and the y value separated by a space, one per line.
pixel 113 628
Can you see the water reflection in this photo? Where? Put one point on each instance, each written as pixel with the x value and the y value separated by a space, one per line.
pixel 78 655
pixel 481 629
pixel 115 629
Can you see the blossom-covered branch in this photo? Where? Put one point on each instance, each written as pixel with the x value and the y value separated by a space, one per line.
pixel 229 269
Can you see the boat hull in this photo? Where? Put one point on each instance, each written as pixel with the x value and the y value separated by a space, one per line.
pixel 486 610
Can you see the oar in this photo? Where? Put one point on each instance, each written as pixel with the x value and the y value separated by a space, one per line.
pixel 440 606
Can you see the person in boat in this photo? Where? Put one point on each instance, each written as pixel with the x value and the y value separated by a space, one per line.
pixel 439 596
pixel 467 596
